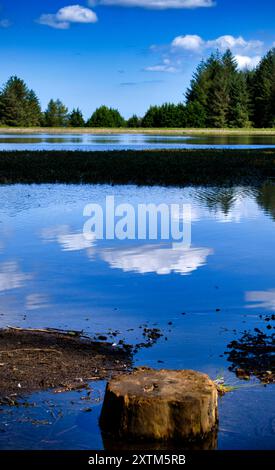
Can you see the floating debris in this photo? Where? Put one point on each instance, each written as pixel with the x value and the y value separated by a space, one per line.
pixel 254 354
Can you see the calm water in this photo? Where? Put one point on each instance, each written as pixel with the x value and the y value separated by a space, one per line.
pixel 128 141
pixel 50 276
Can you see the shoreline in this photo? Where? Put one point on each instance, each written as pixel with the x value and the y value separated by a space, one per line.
pixel 145 131
pixel 34 360
pixel 145 168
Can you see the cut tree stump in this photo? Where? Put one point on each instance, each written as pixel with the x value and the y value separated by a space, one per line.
pixel 159 405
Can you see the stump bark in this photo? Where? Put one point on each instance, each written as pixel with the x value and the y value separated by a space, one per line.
pixel 159 405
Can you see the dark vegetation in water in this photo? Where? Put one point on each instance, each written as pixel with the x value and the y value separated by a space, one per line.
pixel 152 167
pixel 254 353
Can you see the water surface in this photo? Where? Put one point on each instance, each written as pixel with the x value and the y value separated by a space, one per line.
pixel 201 297
pixel 129 142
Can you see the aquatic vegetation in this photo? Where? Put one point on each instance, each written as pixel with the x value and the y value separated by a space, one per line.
pixel 146 167
pixel 254 354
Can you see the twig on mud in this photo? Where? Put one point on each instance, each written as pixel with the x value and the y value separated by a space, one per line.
pixel 31 350
pixel 50 330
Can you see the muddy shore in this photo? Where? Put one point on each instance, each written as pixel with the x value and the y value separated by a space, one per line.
pixel 38 360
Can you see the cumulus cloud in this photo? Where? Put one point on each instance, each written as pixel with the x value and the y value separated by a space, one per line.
pixel 156 4
pixel 246 51
pixel 157 259
pixel 36 301
pixel 262 299
pixel 74 242
pixel 189 42
pixel 164 66
pixel 68 240
pixel 196 43
pixel 246 62
pixel 11 277
pixel 68 15
pixel 231 42
pixel 161 68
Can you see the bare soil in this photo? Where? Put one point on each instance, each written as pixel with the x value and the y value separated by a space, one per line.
pixel 32 360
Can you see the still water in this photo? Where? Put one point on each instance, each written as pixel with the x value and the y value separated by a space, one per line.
pixel 129 142
pixel 201 297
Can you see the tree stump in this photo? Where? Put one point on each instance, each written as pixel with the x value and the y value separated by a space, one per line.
pixel 160 405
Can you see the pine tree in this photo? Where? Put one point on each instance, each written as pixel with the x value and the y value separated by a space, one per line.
pixel 249 78
pixel 19 106
pixel 199 85
pixel 218 100
pixel 76 118
pixel 151 117
pixel 133 122
pixel 237 93
pixel 238 114
pixel 56 114
pixel 196 96
pixel 106 117
pixel 33 110
pixel 195 114
pixel 264 91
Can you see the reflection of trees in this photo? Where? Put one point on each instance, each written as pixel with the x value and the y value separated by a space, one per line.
pixel 266 199
pixel 254 354
pixel 221 198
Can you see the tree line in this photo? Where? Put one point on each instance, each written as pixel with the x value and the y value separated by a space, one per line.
pixel 219 96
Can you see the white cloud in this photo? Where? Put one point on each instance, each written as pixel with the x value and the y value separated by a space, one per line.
pixel 68 15
pixel 231 42
pixel 246 51
pixel 67 240
pixel 190 42
pixel 164 66
pixel 156 4
pixel 11 277
pixel 161 68
pixel 262 299
pixel 196 43
pixel 246 62
pixel 36 301
pixel 157 259
pixel 74 242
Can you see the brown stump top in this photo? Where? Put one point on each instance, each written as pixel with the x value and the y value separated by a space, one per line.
pixel 160 404
pixel 165 384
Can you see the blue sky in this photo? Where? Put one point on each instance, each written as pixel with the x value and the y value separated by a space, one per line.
pixel 125 53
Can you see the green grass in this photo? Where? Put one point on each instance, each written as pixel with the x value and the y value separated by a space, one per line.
pixel 87 130
pixel 147 167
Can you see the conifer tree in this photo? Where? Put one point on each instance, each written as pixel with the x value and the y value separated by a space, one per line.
pixel 133 121
pixel 19 106
pixel 76 118
pixel 56 114
pixel 33 110
pixel 106 117
pixel 264 91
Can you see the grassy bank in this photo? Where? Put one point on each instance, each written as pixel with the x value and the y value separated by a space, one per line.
pixel 88 130
pixel 152 167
